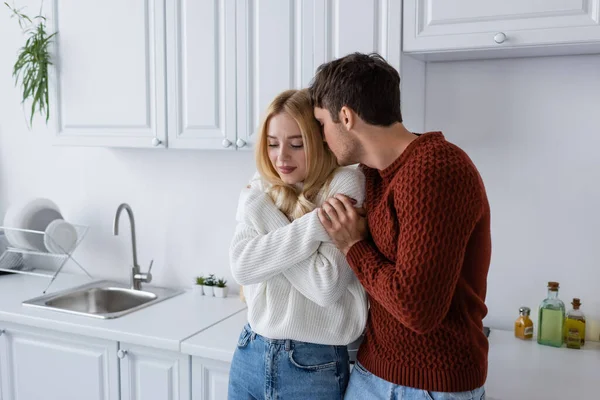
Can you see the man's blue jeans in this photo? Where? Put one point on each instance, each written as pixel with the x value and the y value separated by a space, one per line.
pixel 364 385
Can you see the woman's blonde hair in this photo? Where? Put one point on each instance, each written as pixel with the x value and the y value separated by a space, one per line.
pixel 320 161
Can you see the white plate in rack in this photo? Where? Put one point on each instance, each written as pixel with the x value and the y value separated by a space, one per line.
pixel 34 214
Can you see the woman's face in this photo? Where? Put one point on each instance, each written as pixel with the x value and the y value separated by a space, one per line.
pixel 286 148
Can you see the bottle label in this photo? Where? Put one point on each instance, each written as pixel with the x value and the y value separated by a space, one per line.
pixel 573 339
pixel 529 330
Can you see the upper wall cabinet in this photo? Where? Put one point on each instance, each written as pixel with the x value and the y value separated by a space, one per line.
pixel 109 75
pixel 201 73
pixel 274 53
pixel 281 43
pixel 366 26
pixel 501 28
pixel 346 26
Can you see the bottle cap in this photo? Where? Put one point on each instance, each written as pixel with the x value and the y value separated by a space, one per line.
pixel 524 311
pixel 576 303
pixel 553 286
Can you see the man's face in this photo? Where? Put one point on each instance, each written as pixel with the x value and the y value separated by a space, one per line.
pixel 340 141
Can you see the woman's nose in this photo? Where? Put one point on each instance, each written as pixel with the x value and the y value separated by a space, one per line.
pixel 283 154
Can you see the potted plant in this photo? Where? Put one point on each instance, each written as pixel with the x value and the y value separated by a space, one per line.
pixel 33 62
pixel 199 286
pixel 209 285
pixel 221 288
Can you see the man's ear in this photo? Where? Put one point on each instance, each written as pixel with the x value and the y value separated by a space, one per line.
pixel 347 117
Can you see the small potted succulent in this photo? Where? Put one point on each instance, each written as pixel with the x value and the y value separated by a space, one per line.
pixel 209 285
pixel 199 286
pixel 221 288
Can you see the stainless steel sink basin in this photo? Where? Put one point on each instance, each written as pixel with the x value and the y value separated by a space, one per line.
pixel 102 299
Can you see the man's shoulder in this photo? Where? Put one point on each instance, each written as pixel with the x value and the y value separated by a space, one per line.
pixel 439 154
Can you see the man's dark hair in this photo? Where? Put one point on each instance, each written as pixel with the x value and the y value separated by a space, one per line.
pixel 366 83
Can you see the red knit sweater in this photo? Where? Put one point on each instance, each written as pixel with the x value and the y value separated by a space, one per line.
pixel 425 269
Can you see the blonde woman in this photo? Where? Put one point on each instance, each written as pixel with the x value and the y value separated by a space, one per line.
pixel 305 305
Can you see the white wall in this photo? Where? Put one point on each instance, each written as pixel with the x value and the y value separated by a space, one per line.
pixel 183 201
pixel 532 128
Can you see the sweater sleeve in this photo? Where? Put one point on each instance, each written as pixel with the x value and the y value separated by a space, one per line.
pixel 325 277
pixel 257 254
pixel 437 209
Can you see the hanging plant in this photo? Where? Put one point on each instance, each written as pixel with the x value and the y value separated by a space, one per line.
pixel 33 61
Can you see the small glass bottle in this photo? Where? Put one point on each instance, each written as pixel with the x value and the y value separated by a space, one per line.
pixel 575 326
pixel 551 318
pixel 524 324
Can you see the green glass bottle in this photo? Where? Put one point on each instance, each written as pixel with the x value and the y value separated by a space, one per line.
pixel 551 318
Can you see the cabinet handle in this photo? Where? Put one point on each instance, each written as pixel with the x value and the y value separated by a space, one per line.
pixel 121 353
pixel 240 143
pixel 156 142
pixel 226 143
pixel 500 37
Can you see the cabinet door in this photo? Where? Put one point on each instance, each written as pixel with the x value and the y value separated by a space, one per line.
pixel 37 364
pixel 366 26
pixel 109 73
pixel 274 53
pixel 438 25
pixel 210 379
pixel 201 69
pixel 150 374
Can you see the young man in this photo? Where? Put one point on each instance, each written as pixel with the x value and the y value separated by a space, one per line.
pixel 426 262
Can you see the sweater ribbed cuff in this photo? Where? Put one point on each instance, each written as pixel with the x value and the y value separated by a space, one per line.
pixel 356 254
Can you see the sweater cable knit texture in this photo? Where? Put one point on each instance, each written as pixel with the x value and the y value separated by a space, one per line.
pixel 297 284
pixel 425 269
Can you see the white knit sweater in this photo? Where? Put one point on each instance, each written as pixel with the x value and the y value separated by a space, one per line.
pixel 297 284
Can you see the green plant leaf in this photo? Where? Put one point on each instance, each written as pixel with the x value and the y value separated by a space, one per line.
pixel 31 67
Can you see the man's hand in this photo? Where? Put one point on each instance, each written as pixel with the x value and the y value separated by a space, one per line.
pixel 345 224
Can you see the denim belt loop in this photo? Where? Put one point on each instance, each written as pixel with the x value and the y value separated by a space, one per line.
pixel 288 345
pixel 253 336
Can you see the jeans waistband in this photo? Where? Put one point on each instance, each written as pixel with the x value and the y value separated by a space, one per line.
pixel 288 343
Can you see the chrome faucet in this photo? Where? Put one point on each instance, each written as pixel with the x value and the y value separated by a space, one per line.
pixel 137 277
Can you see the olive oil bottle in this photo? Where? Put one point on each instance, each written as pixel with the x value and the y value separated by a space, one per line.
pixel 575 326
pixel 551 318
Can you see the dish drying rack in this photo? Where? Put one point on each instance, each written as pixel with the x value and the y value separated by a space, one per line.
pixel 37 262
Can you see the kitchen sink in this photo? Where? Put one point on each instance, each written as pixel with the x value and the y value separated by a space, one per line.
pixel 102 299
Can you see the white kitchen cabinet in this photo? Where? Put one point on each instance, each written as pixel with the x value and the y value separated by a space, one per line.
pixel 274 53
pixel 281 43
pixel 152 374
pixel 227 60
pixel 108 83
pixel 501 27
pixel 366 26
pixel 201 74
pixel 210 379
pixel 40 364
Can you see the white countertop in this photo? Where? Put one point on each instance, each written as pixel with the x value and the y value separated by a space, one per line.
pixel 218 342
pixel 517 370
pixel 525 370
pixel 163 325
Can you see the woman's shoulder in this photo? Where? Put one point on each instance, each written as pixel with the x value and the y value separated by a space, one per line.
pixel 346 180
pixel 350 175
pixel 258 182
